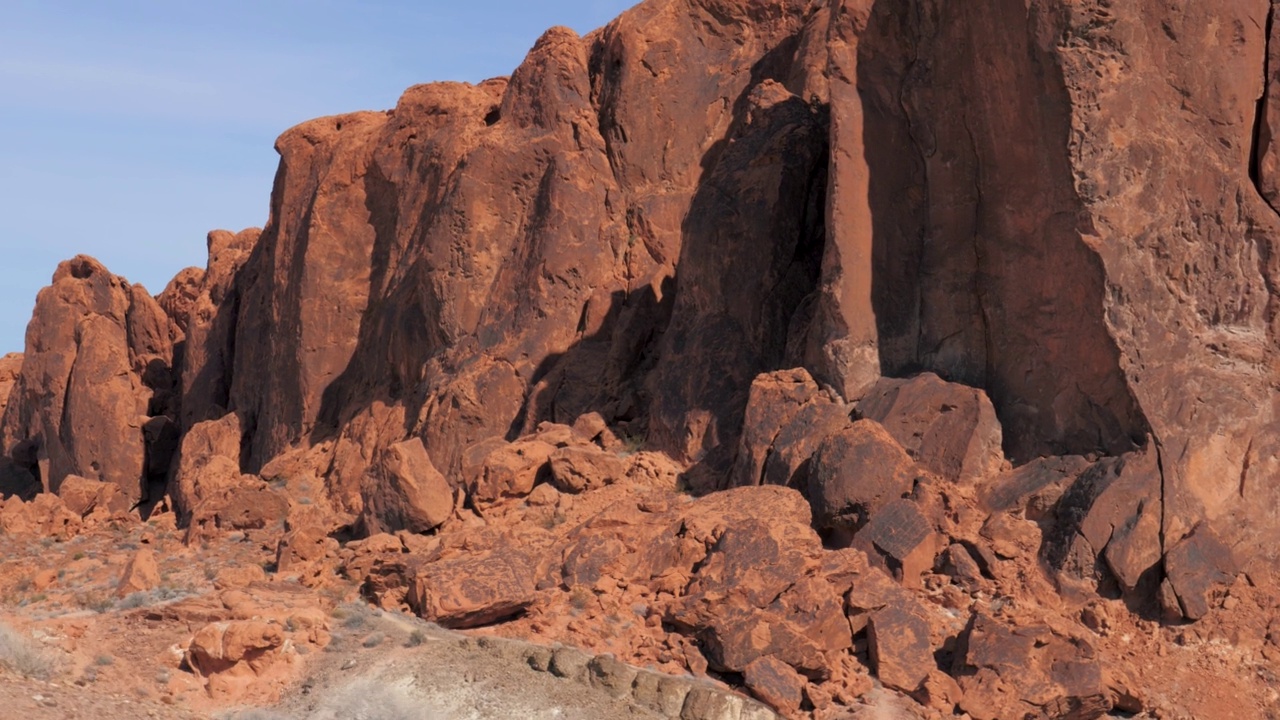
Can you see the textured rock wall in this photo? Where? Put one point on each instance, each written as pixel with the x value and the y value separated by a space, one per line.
pixel 95 384
pixel 1061 203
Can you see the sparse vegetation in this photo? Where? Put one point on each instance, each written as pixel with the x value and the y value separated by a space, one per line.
pixel 134 600
pixel 20 654
pixel 579 598
pixel 416 638
pixel 631 444
pixel 98 602
pixel 373 640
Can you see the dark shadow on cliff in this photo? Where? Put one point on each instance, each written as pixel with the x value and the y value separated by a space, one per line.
pixel 19 478
pixel 603 372
pixel 368 378
pixel 748 270
pixel 979 269
pixel 666 363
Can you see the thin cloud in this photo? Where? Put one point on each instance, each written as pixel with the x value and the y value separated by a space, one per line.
pixel 79 77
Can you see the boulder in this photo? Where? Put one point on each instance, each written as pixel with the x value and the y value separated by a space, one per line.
pixel 776 684
pixel 790 459
pixel 83 496
pixel 406 492
pixel 249 504
pixel 592 427
pixel 474 590
pixel 902 535
pixel 1196 567
pixel 44 516
pixel 898 647
pixel 236 646
pixel 950 429
pixel 208 462
pixel 578 469
pixel 140 574
pixel 855 472
pixel 509 470
pixel 773 401
pixel 1112 511
pixel 1007 671
pixel 301 549
pixel 1035 487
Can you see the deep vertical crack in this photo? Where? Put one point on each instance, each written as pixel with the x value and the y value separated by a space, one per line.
pixel 978 295
pixel 1260 108
pixel 1164 494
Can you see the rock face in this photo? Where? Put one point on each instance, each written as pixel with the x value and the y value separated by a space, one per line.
pixel 98 372
pixel 966 282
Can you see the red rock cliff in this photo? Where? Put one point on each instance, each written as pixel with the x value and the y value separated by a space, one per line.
pixel 1060 203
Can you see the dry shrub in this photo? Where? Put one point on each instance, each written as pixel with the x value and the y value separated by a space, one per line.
pixel 21 654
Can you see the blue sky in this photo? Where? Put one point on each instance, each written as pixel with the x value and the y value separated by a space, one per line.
pixel 130 129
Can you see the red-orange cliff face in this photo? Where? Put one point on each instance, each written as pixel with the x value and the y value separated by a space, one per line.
pixel 1058 212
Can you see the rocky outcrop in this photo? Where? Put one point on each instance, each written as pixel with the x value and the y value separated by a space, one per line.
pixel 16 478
pixel 937 286
pixel 96 383
pixel 10 367
pixel 591 256
pixel 206 305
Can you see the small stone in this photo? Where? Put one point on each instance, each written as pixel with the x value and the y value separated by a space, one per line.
pixel 610 674
pixel 140 574
pixel 569 663
pixel 776 683
pixel 663 694
pixel 539 658
pixel 705 703
pixel 899 649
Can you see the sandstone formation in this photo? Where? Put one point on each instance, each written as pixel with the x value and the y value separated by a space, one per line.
pixel 94 389
pixel 922 301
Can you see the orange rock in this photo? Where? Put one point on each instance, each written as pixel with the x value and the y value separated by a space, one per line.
pixel 249 504
pixel 238 577
pixel 949 428
pixel 776 683
pixel 46 516
pixel 406 492
pixel 855 472
pixel 473 591
pixel 231 655
pixel 208 462
pixel 509 470
pixel 99 369
pixel 43 580
pixel 140 574
pixel 84 496
pixel 578 469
